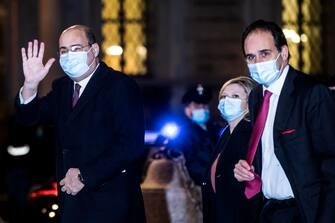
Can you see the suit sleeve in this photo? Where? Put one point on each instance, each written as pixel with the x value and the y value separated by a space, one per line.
pixel 126 149
pixel 38 111
pixel 322 125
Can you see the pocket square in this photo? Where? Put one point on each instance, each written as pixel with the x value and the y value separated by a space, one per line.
pixel 289 131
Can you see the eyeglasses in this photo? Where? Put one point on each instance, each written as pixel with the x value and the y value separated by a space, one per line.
pixel 73 48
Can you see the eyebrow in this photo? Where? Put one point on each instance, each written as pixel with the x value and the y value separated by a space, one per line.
pixel 260 51
pixel 265 51
pixel 64 47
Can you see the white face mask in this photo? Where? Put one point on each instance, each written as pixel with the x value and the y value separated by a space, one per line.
pixel 200 116
pixel 265 73
pixel 74 63
pixel 231 109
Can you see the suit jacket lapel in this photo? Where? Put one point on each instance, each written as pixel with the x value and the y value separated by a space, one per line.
pixel 255 101
pixel 220 145
pixel 283 113
pixel 286 102
pixel 93 86
pixel 284 107
pixel 66 94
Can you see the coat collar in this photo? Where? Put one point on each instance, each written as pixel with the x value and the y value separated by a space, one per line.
pixel 284 109
pixel 240 128
pixel 285 103
pixel 286 100
pixel 92 88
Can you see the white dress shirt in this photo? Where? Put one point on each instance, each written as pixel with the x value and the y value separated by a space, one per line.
pixel 83 83
pixel 275 183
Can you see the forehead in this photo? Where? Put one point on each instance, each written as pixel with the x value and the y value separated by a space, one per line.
pixel 234 89
pixel 257 41
pixel 72 37
pixel 197 105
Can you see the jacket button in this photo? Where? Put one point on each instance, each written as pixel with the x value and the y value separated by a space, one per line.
pixel 204 183
pixel 219 175
pixel 123 171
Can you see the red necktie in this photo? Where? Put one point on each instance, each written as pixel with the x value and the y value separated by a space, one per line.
pixel 75 96
pixel 253 187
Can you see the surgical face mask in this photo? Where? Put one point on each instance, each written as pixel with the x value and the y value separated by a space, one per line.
pixel 230 108
pixel 200 116
pixel 265 73
pixel 74 63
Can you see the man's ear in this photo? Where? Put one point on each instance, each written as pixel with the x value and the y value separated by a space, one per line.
pixel 284 52
pixel 96 49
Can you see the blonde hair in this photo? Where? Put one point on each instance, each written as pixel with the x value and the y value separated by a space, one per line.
pixel 245 82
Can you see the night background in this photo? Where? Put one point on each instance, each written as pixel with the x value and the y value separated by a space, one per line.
pixel 166 45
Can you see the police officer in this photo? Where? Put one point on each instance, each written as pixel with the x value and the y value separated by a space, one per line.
pixel 198 134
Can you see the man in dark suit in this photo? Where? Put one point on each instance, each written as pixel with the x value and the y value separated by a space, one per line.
pixel 295 158
pixel 98 118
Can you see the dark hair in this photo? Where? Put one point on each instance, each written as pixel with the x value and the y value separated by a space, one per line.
pixel 273 28
pixel 90 36
pixel 88 32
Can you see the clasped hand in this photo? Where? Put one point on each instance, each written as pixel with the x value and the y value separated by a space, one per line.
pixel 243 171
pixel 71 183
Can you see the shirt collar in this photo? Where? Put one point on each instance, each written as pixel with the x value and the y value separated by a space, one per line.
pixel 85 81
pixel 276 86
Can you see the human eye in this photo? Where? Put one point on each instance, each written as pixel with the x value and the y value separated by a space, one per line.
pixel 250 58
pixel 62 51
pixel 76 48
pixel 265 54
pixel 225 95
pixel 235 96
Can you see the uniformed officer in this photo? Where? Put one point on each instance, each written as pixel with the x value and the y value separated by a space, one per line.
pixel 198 133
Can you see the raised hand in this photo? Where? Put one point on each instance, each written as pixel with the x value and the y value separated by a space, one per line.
pixel 33 69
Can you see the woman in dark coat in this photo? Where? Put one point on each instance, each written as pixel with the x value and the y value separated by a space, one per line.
pixel 223 195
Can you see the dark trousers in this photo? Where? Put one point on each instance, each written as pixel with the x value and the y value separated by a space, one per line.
pixel 280 211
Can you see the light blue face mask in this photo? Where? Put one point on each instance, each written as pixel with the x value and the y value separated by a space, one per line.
pixel 265 73
pixel 200 116
pixel 74 63
pixel 230 108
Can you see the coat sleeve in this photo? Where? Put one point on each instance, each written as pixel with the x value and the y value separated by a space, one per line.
pixel 38 111
pixel 126 150
pixel 322 126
